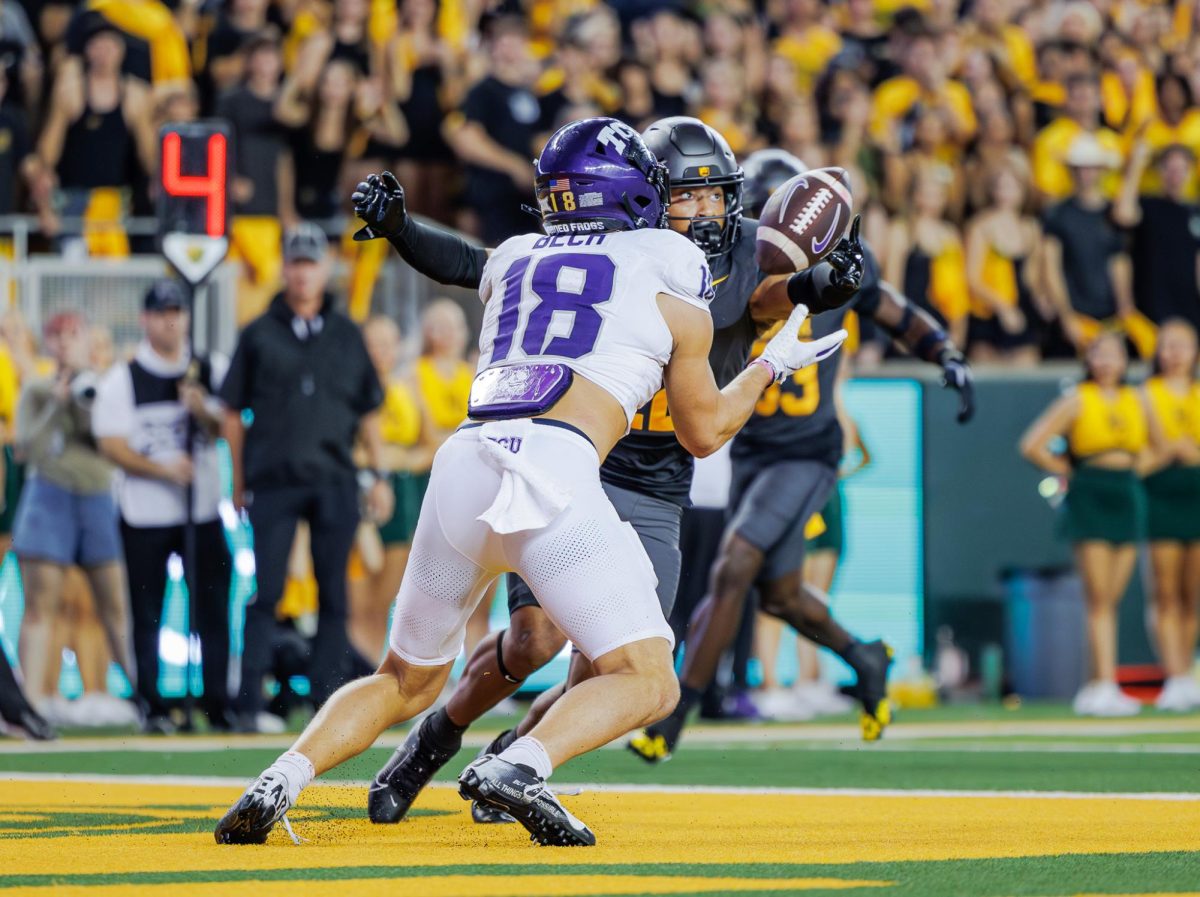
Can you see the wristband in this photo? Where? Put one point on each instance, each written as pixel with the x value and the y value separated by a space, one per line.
pixel 906 317
pixel 770 368
pixel 930 346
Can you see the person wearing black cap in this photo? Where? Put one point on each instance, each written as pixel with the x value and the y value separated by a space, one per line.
pixel 140 420
pixel 303 371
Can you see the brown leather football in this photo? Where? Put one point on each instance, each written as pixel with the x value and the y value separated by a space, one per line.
pixel 803 220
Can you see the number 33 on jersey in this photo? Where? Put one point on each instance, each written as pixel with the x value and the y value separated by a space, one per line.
pixel 590 300
pixel 798 395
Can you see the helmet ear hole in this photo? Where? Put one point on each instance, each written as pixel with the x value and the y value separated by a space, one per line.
pixel 642 201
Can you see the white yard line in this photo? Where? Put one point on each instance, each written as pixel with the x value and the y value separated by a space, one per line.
pixel 232 782
pixel 839 736
pixel 964 747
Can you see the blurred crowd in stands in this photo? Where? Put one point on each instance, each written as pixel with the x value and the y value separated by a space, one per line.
pixel 1026 168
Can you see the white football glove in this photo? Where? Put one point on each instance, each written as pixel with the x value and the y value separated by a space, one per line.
pixel 785 353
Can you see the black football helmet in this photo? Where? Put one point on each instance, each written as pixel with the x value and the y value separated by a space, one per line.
pixel 698 156
pixel 766 170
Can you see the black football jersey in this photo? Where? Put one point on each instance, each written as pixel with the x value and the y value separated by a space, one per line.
pixel 650 459
pixel 797 419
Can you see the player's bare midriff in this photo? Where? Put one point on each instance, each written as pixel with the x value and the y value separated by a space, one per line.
pixel 592 410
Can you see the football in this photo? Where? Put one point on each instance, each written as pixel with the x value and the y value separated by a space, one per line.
pixel 803 220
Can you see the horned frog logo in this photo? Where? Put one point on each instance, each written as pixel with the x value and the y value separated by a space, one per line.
pixel 96 820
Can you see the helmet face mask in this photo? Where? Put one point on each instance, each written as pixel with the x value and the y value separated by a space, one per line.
pixel 597 175
pixel 697 156
pixel 712 233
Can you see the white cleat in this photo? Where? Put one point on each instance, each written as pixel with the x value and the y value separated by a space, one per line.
pixel 783 705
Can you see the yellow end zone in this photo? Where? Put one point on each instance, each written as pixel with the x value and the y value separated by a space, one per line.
pixel 73 829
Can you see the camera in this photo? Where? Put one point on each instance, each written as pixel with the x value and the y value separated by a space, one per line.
pixel 83 388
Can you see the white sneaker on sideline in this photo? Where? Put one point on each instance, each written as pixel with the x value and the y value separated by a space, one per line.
pixel 1111 701
pixel 1085 699
pixel 782 705
pixel 117 711
pixel 822 698
pixel 1176 695
pixel 1192 685
pixel 57 711
pixel 91 711
pixel 269 724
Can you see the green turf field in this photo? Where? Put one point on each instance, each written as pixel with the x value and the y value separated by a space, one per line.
pixel 955 801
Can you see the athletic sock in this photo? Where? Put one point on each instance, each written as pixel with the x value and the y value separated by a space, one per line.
pixel 528 752
pixel 297 770
pixel 444 732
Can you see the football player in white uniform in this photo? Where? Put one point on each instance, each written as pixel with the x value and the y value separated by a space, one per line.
pixel 582 324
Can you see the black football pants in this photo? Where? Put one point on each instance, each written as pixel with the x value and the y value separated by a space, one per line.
pixel 147 549
pixel 332 514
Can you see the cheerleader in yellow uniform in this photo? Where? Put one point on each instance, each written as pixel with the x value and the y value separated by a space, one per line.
pixel 1104 423
pixel 408 454
pixel 1173 523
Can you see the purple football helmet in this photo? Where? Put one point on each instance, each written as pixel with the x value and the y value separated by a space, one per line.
pixel 596 174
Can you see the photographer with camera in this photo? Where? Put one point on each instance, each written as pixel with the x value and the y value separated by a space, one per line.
pixel 66 514
pixel 141 419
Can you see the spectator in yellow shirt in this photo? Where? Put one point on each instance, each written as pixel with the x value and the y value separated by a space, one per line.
pixel 1007 44
pixel 1081 116
pixel 1127 93
pixel 807 41
pixel 925 84
pixel 1176 122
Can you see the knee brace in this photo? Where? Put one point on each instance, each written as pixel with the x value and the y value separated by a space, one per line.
pixel 508 677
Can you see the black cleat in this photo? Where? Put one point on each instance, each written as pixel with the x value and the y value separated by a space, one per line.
pixel 410 769
pixel 30 722
pixel 872 661
pixel 524 795
pixel 485 814
pixel 251 819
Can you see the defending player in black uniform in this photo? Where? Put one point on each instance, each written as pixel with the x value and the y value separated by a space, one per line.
pixel 648 475
pixel 784 466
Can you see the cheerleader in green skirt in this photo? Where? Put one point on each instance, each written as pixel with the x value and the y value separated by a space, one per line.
pixel 1173 492
pixel 1104 423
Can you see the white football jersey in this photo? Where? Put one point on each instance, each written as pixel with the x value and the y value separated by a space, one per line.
pixel 589 301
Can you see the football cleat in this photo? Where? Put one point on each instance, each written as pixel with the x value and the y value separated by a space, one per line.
pixel 656 743
pixel 485 814
pixel 871 689
pixel 650 746
pixel 525 796
pixel 32 724
pixel 251 819
pixel 409 770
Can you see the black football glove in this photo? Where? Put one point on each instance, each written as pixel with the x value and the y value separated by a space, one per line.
pixel 847 261
pixel 956 375
pixel 379 201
